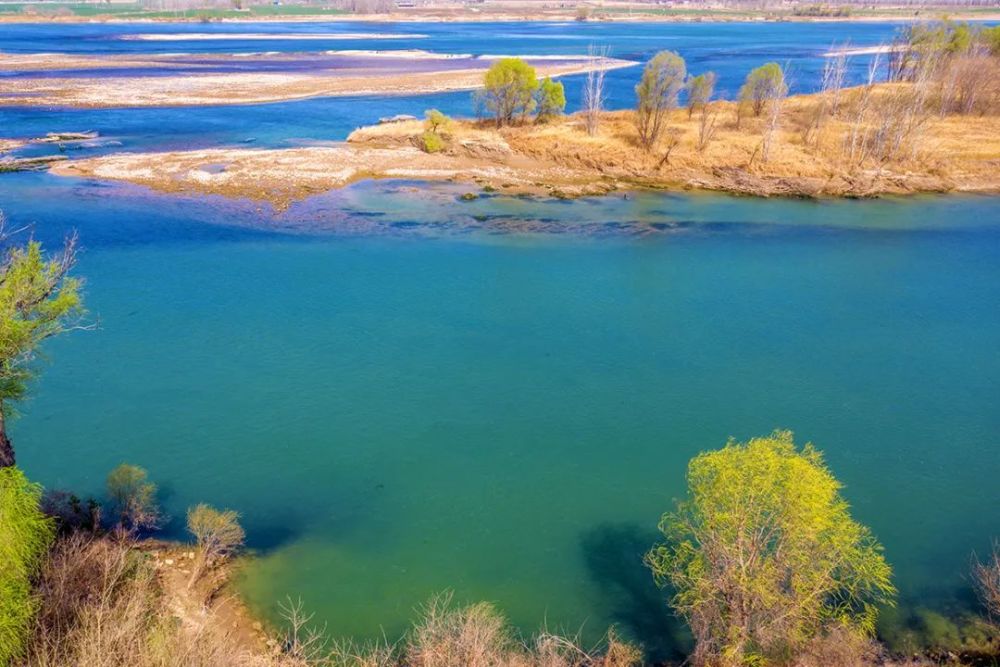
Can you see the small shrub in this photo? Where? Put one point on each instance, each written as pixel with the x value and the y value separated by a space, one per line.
pixel 431 142
pixel 474 636
pixel 986 577
pixel 133 498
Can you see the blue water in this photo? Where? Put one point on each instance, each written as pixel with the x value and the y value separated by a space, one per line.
pixel 403 392
pixel 729 49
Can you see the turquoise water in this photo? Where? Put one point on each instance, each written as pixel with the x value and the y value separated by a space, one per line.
pixel 506 415
pixel 404 393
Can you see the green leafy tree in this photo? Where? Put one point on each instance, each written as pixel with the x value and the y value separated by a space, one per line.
pixel 133 498
pixel 509 90
pixel 764 556
pixel 700 90
pixel 656 94
pixel 763 85
pixel 25 536
pixel 551 98
pixel 38 299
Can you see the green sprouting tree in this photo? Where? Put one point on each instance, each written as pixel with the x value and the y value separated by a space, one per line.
pixel 656 94
pixel 763 85
pixel 436 121
pixel 38 299
pixel 133 498
pixel 764 555
pixel 218 534
pixel 700 90
pixel 509 90
pixel 551 98
pixel 25 535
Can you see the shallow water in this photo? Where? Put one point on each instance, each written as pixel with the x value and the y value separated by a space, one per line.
pixel 403 392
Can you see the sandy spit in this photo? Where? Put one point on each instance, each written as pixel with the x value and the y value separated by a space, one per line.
pixel 248 87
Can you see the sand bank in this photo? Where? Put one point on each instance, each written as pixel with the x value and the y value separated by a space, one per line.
pixel 261 36
pixel 248 87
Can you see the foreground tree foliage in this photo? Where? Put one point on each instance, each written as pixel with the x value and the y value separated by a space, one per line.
pixel 656 94
pixel 509 91
pixel 38 299
pixel 765 558
pixel 25 536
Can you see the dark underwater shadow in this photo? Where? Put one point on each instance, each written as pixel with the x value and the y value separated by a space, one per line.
pixel 629 596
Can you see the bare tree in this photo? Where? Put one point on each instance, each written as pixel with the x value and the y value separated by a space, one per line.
pixel 706 127
pixel 986 577
pixel 774 103
pixel 593 87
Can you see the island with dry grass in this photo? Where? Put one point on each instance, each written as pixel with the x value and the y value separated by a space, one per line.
pixel 943 153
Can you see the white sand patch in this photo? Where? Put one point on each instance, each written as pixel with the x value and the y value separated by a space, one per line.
pixel 864 51
pixel 400 53
pixel 207 36
pixel 493 56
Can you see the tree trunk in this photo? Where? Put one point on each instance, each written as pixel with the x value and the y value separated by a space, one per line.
pixel 6 448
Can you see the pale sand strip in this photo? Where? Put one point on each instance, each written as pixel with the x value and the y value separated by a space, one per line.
pixel 255 36
pixel 246 87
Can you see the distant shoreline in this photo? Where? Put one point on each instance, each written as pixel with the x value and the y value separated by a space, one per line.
pixel 445 16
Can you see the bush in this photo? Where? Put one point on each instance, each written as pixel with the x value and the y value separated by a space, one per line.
pixel 509 90
pixel 764 556
pixel 431 142
pixel 25 536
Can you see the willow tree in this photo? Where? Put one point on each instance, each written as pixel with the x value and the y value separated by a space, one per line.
pixel 38 299
pixel 764 557
pixel 656 94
